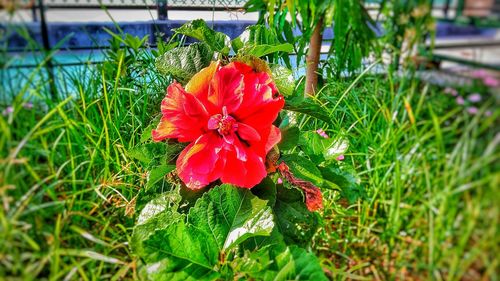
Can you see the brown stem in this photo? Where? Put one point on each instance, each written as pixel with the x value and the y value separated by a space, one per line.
pixel 312 59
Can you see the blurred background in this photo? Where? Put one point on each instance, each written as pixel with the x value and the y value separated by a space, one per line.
pixel 465 31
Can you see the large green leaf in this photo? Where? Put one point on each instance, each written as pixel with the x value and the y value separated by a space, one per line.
pixel 198 29
pixel 181 241
pixel 265 49
pixel 156 215
pixel 298 264
pixel 229 215
pixel 183 62
pixel 345 182
pixel 289 138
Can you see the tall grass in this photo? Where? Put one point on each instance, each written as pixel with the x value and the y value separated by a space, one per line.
pixel 67 184
pixel 430 171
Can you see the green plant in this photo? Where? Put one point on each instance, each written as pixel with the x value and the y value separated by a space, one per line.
pixel 354 37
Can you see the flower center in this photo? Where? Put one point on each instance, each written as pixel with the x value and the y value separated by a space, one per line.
pixel 223 123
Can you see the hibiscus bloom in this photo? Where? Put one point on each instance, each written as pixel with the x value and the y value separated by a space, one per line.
pixel 226 114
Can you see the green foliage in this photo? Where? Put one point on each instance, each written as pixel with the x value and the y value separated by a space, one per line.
pixel 259 41
pixel 354 37
pixel 350 21
pixel 218 41
pixel 308 107
pixel 297 224
pixel 289 137
pixel 183 62
pixel 283 77
pixel 203 245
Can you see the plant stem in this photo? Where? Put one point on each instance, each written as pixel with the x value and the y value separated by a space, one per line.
pixel 312 59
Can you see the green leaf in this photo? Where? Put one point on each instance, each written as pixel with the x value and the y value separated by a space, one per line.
pixel 258 40
pixel 176 270
pixel 308 107
pixel 181 241
pixel 183 62
pixel 303 168
pixel 198 29
pixel 146 135
pixel 289 138
pixel 265 49
pixel 157 214
pixel 295 222
pixel 283 77
pixel 298 264
pixel 154 153
pixel 266 190
pixel 229 215
pixel 158 173
pixel 314 144
pixel 346 182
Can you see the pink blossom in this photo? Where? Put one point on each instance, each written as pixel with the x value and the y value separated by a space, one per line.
pixel 474 97
pixel 460 100
pixel 280 181
pixel 340 157
pixel 322 133
pixel 472 110
pixel 491 82
pixel 480 73
pixel 8 110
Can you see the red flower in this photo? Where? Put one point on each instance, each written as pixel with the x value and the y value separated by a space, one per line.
pixel 226 113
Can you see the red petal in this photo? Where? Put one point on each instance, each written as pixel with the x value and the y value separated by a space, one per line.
pixel 243 173
pixel 226 89
pixel 248 133
pixel 197 164
pixel 261 102
pixel 184 116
